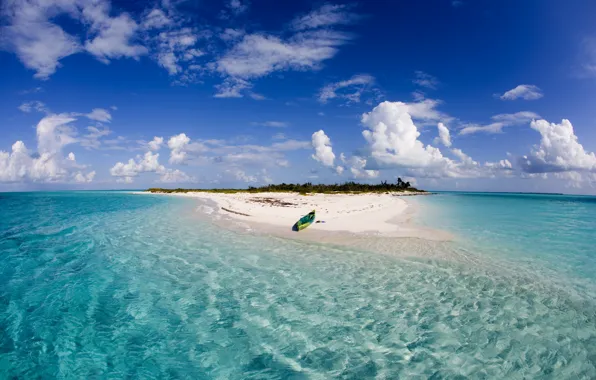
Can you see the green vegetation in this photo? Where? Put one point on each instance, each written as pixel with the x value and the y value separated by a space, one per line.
pixel 306 188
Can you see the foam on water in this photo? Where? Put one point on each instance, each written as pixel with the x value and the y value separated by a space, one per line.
pixel 107 285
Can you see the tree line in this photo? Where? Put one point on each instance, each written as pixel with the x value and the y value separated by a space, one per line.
pixel 309 187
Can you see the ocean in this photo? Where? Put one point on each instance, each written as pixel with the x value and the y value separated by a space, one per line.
pixel 117 285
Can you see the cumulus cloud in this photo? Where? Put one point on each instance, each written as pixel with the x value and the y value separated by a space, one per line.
pixel 36 105
pixel 444 136
pixel 84 178
pixel 156 143
pixel 393 137
pixel 181 147
pixel 177 145
pixel 357 166
pixel 558 151
pixel 425 80
pixel 358 84
pixel 499 122
pixel 48 164
pixel 425 111
pixel 392 142
pixel 99 114
pixel 523 91
pixel 148 163
pixel 322 146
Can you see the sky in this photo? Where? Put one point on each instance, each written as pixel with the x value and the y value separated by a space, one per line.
pixel 478 95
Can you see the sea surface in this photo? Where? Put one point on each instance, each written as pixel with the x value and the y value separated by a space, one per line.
pixel 98 285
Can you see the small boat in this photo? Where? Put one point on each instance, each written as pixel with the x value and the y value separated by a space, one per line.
pixel 305 221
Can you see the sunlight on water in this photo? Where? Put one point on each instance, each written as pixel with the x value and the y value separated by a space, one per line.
pixel 114 285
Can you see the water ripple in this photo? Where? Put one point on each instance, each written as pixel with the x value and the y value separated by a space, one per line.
pixel 122 286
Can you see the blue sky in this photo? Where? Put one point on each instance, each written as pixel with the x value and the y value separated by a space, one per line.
pixel 468 95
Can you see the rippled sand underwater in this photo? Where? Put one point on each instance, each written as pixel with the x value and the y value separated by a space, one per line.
pixel 109 285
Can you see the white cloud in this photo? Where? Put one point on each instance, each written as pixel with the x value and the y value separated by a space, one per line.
pixel 156 19
pixel 359 84
pixel 357 165
pixel 48 164
pixel 232 88
pixel 418 95
pixel 177 47
pixel 36 105
pixel 392 139
pixel 240 175
pixel 93 138
pixel 559 150
pixel 444 136
pixel 237 7
pixel 425 80
pixel 325 16
pixel 99 114
pixel 148 163
pixel 523 91
pixel 322 146
pixel 230 34
pixel 180 147
pixel 114 36
pixel 40 43
pixel 499 122
pixel 177 144
pixel 279 136
pixel 84 178
pixel 156 143
pixel 426 112
pixel 258 55
pixel 273 124
pixel 176 176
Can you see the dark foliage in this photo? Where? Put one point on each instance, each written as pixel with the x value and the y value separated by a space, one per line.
pixel 305 188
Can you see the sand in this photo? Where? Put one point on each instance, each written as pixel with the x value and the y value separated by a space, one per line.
pixel 379 215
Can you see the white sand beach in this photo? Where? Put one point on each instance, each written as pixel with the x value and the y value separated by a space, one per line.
pixel 383 215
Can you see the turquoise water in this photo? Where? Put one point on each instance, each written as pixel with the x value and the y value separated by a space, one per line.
pixel 114 285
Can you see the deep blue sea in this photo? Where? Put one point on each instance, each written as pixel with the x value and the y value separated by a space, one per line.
pixel 98 285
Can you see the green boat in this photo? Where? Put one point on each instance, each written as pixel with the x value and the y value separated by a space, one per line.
pixel 305 221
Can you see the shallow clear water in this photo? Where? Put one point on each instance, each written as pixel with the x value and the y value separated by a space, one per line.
pixel 112 285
